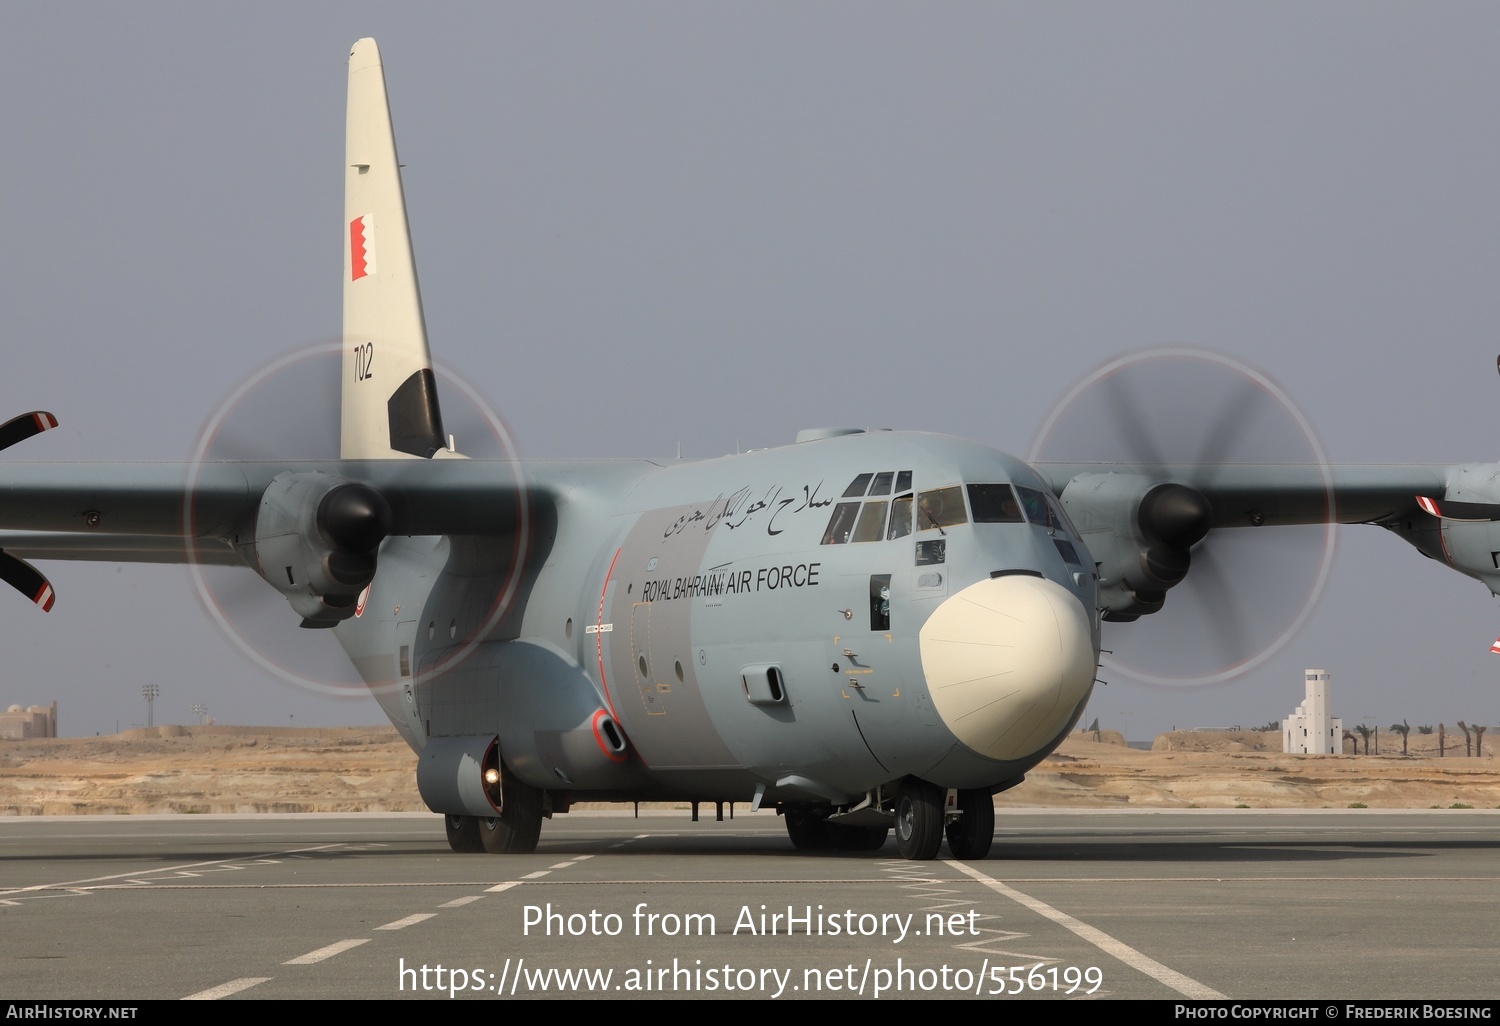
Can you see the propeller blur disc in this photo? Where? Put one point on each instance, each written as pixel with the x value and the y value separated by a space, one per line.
pixel 1249 590
pixel 288 413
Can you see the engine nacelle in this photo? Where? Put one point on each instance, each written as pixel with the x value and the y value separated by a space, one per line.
pixel 1470 546
pixel 1140 533
pixel 316 538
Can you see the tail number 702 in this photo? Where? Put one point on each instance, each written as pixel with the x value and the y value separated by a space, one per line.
pixel 364 359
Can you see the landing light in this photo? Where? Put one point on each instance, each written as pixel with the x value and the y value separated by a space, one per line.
pixel 492 776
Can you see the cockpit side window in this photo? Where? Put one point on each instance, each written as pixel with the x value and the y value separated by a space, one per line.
pixel 857 486
pixel 900 517
pixel 871 522
pixel 942 507
pixel 1061 515
pixel 1035 504
pixel 841 523
pixel 851 523
pixel 996 504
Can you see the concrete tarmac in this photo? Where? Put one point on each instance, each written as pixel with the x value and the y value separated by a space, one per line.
pixel 1343 904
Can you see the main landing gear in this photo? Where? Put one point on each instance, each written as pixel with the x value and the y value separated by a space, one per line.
pixel 514 832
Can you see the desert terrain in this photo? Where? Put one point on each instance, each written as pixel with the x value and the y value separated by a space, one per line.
pixel 223 769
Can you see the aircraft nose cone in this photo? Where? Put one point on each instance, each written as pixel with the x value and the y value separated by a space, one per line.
pixel 1006 662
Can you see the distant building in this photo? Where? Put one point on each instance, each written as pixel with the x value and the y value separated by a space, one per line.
pixel 37 721
pixel 1310 730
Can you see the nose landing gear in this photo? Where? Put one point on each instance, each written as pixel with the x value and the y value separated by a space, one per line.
pixel 971 834
pixel 921 826
pixel 919 819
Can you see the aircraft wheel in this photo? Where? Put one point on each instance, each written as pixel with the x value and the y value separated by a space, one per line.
pixel 807 831
pixel 919 819
pixel 858 838
pixel 970 835
pixel 463 834
pixel 519 826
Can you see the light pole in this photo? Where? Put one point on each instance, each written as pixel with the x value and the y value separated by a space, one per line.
pixel 150 691
pixel 201 711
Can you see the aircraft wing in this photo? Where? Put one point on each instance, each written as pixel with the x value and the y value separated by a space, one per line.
pixel 1255 494
pixel 117 548
pixel 1142 522
pixel 320 525
pixel 213 501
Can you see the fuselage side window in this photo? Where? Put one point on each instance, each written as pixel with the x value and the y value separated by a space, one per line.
pixel 996 504
pixel 932 551
pixel 941 507
pixel 871 522
pixel 841 523
pixel 900 517
pixel 880 602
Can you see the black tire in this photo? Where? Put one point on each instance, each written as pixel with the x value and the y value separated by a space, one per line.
pixel 463 834
pixel 807 831
pixel 858 838
pixel 919 819
pixel 519 826
pixel 972 833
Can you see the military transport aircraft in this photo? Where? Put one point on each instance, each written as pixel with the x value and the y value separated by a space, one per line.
pixel 861 630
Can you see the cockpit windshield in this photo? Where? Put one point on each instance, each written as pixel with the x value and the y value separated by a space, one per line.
pixel 994 504
pixel 941 507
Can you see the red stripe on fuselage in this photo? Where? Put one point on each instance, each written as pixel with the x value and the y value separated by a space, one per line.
pixel 599 636
pixel 609 753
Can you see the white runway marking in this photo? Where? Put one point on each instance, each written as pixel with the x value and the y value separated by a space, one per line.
pixel 326 952
pixel 226 989
pixel 411 920
pixel 460 902
pixel 507 885
pixel 179 870
pixel 1184 985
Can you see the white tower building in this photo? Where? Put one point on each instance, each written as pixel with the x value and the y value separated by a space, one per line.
pixel 1310 730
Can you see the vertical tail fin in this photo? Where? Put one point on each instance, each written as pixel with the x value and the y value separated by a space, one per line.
pixel 390 403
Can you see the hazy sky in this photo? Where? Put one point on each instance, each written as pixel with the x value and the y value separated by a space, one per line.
pixel 639 225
